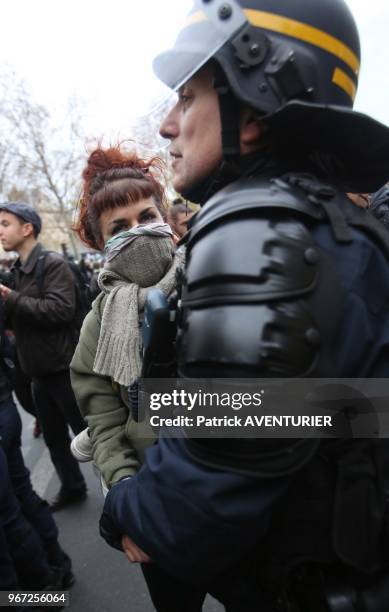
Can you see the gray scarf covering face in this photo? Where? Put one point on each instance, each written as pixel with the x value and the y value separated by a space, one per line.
pixel 145 262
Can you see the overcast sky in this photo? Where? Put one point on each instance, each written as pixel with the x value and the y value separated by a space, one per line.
pixel 101 51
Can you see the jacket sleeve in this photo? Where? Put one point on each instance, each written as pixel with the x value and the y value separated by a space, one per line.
pixel 58 304
pixel 102 409
pixel 193 520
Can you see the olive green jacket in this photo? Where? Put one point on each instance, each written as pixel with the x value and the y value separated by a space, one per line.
pixel 117 450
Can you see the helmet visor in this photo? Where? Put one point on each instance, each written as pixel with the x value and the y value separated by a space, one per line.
pixel 207 26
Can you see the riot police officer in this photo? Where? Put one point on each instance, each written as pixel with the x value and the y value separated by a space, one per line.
pixel 284 278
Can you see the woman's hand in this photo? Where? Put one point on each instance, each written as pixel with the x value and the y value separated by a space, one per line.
pixel 175 238
pixel 133 552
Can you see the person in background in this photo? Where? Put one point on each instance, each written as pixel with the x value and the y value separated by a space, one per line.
pixel 22 558
pixel 27 521
pixel 21 383
pixel 360 199
pixel 379 204
pixel 45 339
pixel 122 211
pixel 178 215
pixel 85 268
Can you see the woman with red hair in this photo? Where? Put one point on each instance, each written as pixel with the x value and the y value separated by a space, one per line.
pixel 122 212
pixel 115 180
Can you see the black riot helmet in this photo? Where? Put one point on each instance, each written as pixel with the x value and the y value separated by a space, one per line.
pixel 296 62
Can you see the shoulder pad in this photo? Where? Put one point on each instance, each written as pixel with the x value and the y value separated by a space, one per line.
pixel 302 194
pixel 249 194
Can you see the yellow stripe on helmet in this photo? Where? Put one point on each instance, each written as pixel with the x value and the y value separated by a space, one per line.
pixel 295 29
pixel 307 33
pixel 342 79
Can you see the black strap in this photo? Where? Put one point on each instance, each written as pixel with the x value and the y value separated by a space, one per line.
pixel 340 211
pixel 340 227
pixel 324 196
pixel 229 116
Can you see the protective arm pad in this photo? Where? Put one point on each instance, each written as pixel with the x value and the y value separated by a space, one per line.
pixel 256 299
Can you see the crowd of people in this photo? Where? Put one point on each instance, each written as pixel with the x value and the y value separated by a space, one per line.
pixel 45 298
pixel 282 273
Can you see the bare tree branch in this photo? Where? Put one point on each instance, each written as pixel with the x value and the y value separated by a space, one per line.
pixel 45 159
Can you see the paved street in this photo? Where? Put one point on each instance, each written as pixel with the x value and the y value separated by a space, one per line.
pixel 106 581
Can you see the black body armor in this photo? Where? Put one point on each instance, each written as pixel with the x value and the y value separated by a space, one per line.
pixel 258 290
pixel 260 298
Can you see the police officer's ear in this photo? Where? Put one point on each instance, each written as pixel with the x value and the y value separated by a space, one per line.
pixel 251 131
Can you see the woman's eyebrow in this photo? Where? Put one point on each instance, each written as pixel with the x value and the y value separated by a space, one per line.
pixel 145 210
pixel 116 221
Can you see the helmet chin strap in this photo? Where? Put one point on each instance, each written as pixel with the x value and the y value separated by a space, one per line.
pixel 203 190
pixel 233 165
pixel 229 107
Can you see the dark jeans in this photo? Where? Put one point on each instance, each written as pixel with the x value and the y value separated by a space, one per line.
pixel 57 408
pixel 34 509
pixel 169 594
pixel 23 391
pixel 23 544
pixel 8 579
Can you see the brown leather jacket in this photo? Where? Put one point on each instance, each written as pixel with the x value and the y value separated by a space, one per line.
pixel 44 333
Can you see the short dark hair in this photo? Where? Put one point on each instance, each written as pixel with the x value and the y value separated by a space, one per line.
pixel 25 213
pixel 178 207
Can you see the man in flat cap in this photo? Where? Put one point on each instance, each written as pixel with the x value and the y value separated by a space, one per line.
pixel 41 309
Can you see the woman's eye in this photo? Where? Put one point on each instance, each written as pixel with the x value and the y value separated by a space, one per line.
pixel 148 217
pixel 117 229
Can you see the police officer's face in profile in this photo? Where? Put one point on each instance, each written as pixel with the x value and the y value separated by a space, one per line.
pixel 194 128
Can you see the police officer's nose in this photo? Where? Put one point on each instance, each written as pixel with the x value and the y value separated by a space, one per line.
pixel 169 126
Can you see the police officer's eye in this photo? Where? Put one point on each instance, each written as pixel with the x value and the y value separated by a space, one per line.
pixel 184 96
